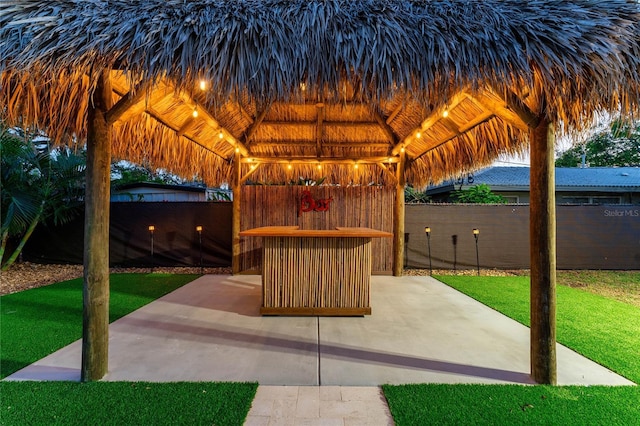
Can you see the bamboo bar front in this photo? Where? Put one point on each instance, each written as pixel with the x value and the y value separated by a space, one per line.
pixel 316 272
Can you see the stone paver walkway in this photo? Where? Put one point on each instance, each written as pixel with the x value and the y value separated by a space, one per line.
pixel 319 405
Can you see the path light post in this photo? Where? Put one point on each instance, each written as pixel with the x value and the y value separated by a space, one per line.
pixel 151 230
pixel 427 230
pixel 199 229
pixel 476 232
pixel 454 240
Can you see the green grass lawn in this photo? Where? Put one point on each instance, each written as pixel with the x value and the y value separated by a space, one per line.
pixel 439 404
pixel 35 323
pixel 125 403
pixel 604 330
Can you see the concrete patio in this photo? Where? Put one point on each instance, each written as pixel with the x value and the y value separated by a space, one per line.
pixel 420 331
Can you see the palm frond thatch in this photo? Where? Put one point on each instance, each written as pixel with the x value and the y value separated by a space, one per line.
pixel 390 64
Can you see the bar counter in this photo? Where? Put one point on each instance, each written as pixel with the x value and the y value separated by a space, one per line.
pixel 316 272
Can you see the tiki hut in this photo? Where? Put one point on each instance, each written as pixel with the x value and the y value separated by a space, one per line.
pixel 369 92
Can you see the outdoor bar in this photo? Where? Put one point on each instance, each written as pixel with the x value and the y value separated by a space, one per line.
pixel 316 272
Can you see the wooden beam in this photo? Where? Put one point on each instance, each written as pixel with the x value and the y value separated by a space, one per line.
pixel 248 134
pixel 500 109
pixel 315 160
pixel 388 172
pixel 430 121
pixel 515 104
pixel 462 130
pixel 188 124
pixel 252 170
pixel 161 120
pixel 394 114
pixel 542 232
pixel 235 216
pixel 319 128
pixel 204 114
pixel 378 145
pixel 451 125
pixel 127 101
pixel 299 143
pixel 95 290
pixel 388 131
pixel 243 112
pixel 334 123
pixel 398 218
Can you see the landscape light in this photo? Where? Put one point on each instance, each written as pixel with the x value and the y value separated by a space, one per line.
pixel 151 229
pixel 199 229
pixel 427 230
pixel 476 232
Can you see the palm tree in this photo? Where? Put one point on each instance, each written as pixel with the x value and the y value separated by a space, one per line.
pixel 35 187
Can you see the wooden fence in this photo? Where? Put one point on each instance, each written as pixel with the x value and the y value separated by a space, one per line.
pixel 588 237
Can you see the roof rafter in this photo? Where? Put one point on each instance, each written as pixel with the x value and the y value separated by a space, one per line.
pixel 501 109
pixel 127 101
pixel 394 114
pixel 459 132
pixel 153 114
pixel 319 128
pixel 430 121
pixel 517 105
pixel 248 134
pixel 297 143
pixel 314 160
pixel 212 122
pixel 391 135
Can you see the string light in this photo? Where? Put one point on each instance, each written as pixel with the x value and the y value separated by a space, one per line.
pixel 237 149
pixel 319 166
pixel 195 112
pixel 445 113
pixel 220 135
pixel 402 149
pixel 289 166
pixel 418 135
pixel 203 85
pixel 355 166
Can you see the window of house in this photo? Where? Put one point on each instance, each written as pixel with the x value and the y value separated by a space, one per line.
pixel 591 200
pixel 605 200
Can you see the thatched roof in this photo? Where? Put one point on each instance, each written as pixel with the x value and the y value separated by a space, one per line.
pixel 329 83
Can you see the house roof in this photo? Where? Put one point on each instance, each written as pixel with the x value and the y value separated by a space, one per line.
pixel 160 186
pixel 610 179
pixel 293 85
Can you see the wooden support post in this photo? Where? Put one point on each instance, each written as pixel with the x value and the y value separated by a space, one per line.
pixel 542 231
pixel 398 219
pixel 235 218
pixel 95 313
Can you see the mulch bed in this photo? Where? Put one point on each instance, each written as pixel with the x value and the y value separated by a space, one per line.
pixel 26 275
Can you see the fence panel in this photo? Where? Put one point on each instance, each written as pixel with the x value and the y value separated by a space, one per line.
pixel 588 237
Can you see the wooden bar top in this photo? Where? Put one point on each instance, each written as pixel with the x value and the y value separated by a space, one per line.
pixel 295 231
